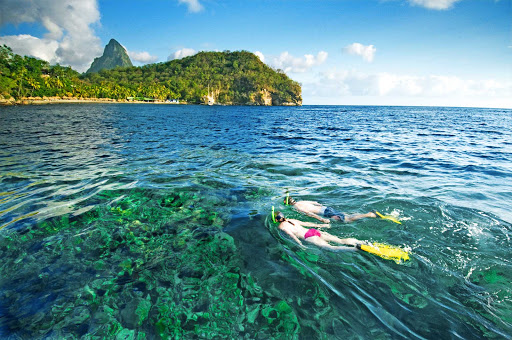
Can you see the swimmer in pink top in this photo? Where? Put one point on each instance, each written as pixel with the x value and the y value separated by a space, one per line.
pixel 295 229
pixel 315 209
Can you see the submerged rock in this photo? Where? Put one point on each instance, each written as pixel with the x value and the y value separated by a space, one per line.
pixel 149 265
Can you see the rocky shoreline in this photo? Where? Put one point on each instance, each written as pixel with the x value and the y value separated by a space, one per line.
pixel 61 100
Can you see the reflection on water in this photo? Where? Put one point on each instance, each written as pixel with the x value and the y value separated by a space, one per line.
pixel 148 220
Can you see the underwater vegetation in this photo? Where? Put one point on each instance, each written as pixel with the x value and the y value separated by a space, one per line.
pixel 138 265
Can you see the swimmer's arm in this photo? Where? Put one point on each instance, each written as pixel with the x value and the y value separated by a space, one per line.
pixel 313 203
pixel 310 214
pixel 316 225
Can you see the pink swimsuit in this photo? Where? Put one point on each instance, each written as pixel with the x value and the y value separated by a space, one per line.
pixel 311 232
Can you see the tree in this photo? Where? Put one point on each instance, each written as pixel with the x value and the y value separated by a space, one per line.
pixel 235 77
pixel 34 84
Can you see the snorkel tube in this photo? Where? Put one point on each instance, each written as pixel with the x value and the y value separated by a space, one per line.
pixel 273 218
pixel 287 202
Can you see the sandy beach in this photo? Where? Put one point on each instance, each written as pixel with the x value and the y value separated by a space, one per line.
pixel 60 100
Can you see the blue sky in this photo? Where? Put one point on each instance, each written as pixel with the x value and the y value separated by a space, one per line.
pixel 347 52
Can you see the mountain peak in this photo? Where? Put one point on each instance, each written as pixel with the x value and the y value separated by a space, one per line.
pixel 114 55
pixel 114 44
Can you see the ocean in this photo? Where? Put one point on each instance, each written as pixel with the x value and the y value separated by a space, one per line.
pixel 143 221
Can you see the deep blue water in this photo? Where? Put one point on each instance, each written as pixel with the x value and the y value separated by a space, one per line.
pixel 446 173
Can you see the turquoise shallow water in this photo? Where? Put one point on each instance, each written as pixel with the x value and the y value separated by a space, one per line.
pixel 144 221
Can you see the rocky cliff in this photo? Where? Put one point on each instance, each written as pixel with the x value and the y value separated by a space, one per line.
pixel 114 55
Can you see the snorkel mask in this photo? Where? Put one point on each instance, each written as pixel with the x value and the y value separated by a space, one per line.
pixel 279 216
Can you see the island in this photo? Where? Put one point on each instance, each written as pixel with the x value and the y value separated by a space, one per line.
pixel 214 78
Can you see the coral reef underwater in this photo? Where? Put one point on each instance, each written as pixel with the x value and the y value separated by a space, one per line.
pixel 141 264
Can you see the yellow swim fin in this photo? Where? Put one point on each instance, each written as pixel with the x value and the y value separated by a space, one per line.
pixel 385 251
pixel 386 217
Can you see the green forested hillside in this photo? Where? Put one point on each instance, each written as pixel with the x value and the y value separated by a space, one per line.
pixel 26 76
pixel 231 77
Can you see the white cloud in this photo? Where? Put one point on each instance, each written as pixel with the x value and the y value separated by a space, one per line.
pixel 142 57
pixel 25 44
pixel 434 4
pixel 184 52
pixel 406 87
pixel 193 5
pixel 366 52
pixel 260 55
pixel 288 63
pixel 69 40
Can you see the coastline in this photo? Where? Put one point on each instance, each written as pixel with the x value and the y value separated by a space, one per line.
pixel 74 100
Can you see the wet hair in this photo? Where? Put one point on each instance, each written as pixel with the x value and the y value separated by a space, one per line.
pixel 279 216
pixel 288 200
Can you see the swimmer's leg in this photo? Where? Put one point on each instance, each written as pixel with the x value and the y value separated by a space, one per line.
pixel 321 242
pixel 356 217
pixel 348 241
pixel 339 218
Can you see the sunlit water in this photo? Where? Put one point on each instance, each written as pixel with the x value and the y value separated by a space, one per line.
pixel 146 177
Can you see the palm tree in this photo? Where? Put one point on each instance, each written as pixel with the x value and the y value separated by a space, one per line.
pixel 18 76
pixel 34 84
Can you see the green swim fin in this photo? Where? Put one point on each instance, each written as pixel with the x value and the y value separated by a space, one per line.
pixel 385 251
pixel 386 217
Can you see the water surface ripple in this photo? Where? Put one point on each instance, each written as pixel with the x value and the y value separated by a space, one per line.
pixel 445 172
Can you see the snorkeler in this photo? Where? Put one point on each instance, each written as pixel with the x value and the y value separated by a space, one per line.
pixel 295 229
pixel 315 209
